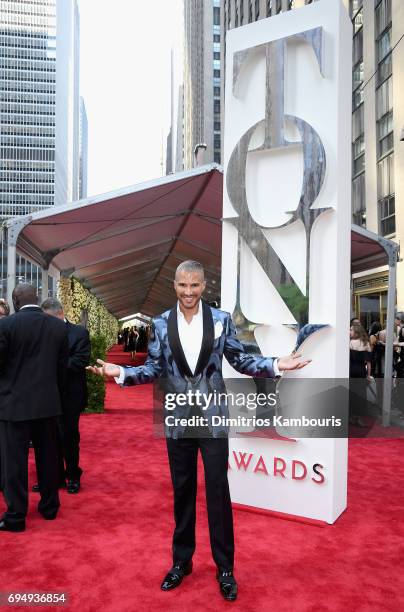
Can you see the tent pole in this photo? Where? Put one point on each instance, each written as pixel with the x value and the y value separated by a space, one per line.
pixel 45 284
pixel 11 270
pixel 388 362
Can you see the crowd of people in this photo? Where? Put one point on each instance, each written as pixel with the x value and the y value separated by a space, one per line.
pixel 367 349
pixel 367 357
pixel 43 390
pixel 134 339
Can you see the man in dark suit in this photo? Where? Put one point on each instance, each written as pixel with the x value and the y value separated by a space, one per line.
pixel 186 348
pixel 33 361
pixel 75 399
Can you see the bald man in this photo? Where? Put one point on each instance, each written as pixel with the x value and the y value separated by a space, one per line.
pixel 186 348
pixel 33 362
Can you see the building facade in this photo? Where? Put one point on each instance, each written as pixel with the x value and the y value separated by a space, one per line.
pixel 377 149
pixel 83 151
pixel 179 143
pixel 170 149
pixel 39 110
pixel 202 82
pixel 377 127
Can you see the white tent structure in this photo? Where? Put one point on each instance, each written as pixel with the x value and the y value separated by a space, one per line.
pixel 124 246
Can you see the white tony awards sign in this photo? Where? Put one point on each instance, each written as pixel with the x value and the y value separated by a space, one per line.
pixel 286 235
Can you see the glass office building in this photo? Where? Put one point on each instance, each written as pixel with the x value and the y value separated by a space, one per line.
pixel 83 151
pixel 28 106
pixel 39 110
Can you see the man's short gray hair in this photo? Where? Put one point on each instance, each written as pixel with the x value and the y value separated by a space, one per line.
pixel 400 316
pixel 190 266
pixel 52 305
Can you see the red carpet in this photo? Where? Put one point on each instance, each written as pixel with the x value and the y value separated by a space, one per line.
pixel 111 544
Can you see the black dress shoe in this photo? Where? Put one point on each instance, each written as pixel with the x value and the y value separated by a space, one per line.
pixel 50 517
pixel 73 486
pixel 175 576
pixel 10 527
pixel 228 585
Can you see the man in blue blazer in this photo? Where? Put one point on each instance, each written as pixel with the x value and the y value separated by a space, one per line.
pixel 186 348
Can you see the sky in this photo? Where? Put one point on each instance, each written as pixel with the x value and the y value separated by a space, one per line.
pixel 125 81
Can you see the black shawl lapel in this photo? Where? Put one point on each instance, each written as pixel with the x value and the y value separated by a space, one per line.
pixel 208 339
pixel 175 344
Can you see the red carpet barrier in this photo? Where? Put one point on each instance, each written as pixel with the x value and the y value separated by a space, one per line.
pixel 111 545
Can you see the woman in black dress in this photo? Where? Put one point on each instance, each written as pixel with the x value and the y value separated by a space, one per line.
pixel 376 348
pixel 132 341
pixel 360 369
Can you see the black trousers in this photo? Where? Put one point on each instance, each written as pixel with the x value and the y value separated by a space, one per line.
pixel 14 446
pixel 69 447
pixel 183 456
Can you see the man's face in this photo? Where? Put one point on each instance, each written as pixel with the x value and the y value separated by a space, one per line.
pixel 189 287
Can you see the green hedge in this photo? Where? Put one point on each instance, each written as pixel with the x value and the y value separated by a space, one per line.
pixel 95 384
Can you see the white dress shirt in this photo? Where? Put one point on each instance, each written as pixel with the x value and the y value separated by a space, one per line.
pixel 190 336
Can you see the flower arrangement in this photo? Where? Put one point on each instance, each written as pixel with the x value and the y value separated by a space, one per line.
pixel 81 306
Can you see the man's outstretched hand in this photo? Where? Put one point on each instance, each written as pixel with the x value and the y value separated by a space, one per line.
pixel 104 369
pixel 292 362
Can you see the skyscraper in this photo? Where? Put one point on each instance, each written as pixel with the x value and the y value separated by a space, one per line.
pixel 39 108
pixel 39 103
pixel 202 73
pixel 378 122
pixel 170 149
pixel 83 151
pixel 179 156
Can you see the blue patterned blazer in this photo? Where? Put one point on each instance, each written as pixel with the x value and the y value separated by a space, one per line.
pixel 166 361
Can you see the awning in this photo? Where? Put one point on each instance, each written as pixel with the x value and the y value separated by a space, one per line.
pixel 125 246
pixel 368 250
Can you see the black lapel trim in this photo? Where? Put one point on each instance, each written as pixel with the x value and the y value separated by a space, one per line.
pixel 208 339
pixel 175 344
